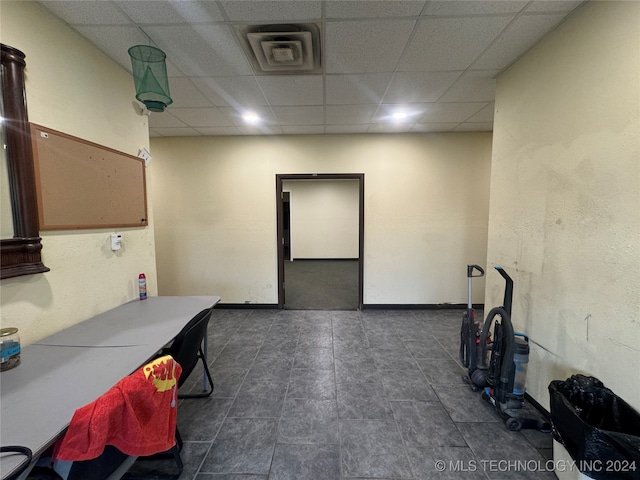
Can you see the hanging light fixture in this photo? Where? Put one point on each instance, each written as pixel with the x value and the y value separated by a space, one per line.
pixel 150 77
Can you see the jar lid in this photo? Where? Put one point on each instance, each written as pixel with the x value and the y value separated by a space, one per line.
pixel 8 331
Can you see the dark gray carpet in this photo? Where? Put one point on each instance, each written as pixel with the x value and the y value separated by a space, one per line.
pixel 321 284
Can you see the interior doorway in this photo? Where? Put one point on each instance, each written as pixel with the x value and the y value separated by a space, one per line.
pixel 298 262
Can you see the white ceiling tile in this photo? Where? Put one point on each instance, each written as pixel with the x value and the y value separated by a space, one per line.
pixel 521 35
pixel 347 128
pixel 349 115
pixel 217 131
pixel 369 9
pixel 153 133
pixel 456 48
pixel 388 113
pixel 236 92
pixel 389 128
pixel 485 115
pixel 185 94
pixel 552 6
pixel 299 115
pixel 115 41
pixel 474 127
pixel 292 89
pixel 87 13
pixel 271 11
pixel 411 87
pixel 201 50
pixel 356 89
pixel 172 70
pixel 450 112
pixel 450 43
pixel 368 46
pixel 475 7
pixel 472 86
pixel 202 117
pixel 264 114
pixel 165 120
pixel 176 132
pixel 155 11
pixel 303 129
pixel 260 130
pixel 434 127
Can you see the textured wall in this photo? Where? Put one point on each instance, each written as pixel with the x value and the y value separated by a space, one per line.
pixel 426 204
pixel 565 199
pixel 73 88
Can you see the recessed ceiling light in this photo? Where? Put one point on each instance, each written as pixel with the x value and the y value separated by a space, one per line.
pixel 399 116
pixel 251 118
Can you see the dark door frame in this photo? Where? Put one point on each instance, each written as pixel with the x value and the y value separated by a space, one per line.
pixel 280 231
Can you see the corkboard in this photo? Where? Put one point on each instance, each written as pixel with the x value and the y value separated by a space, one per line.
pixel 81 184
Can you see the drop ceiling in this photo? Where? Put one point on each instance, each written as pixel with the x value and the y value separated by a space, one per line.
pixel 386 66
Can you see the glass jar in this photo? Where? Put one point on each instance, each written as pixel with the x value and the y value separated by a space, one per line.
pixel 9 348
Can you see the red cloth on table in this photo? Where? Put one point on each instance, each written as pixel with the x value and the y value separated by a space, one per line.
pixel 137 415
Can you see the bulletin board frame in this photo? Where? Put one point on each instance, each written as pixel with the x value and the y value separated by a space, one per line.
pixel 84 185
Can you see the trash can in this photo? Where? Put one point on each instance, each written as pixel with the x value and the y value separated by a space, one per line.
pixel 599 430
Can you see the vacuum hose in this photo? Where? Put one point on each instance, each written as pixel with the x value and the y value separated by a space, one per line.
pixel 502 388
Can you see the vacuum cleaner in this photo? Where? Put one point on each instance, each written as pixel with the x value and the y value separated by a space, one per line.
pixel 503 380
pixel 470 349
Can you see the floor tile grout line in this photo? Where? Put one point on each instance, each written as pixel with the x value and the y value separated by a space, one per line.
pixel 228 410
pixel 398 328
pixel 204 457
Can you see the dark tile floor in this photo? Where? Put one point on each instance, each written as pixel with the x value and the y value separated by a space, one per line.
pixel 315 395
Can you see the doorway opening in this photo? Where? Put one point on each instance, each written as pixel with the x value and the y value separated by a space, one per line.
pixel 334 273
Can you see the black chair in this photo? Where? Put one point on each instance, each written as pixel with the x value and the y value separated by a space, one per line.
pixel 111 465
pixel 187 350
pixel 26 463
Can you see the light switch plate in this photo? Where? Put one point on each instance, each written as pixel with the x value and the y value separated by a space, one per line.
pixel 145 155
pixel 116 241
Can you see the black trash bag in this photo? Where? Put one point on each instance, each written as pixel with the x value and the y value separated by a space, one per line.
pixel 600 431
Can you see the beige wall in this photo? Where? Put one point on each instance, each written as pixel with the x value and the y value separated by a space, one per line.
pixel 324 218
pixel 73 88
pixel 426 204
pixel 565 199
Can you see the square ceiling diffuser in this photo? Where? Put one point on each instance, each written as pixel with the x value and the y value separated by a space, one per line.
pixel 284 53
pixel 282 48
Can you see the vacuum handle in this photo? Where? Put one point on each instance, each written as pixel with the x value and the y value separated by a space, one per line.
pixel 508 291
pixel 471 268
pixel 504 274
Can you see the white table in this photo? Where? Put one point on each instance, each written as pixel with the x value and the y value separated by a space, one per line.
pixel 73 367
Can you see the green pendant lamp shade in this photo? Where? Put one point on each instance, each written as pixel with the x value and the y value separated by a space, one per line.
pixel 150 77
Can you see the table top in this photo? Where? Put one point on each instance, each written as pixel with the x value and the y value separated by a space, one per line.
pixel 140 322
pixel 73 367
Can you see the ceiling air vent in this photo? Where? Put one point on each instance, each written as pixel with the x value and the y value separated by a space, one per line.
pixel 288 49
